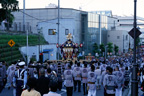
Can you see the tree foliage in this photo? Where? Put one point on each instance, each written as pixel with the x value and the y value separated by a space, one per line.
pixel 110 47
pixel 8 6
pixel 116 48
pixel 96 48
pixel 11 5
pixel 137 41
pixel 102 47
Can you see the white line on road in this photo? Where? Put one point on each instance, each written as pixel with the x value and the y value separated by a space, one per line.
pixel 64 91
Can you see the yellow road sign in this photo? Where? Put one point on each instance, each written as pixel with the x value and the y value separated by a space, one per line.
pixel 11 43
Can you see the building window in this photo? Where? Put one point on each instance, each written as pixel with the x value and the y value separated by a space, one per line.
pixel 66 31
pixel 118 37
pixel 52 32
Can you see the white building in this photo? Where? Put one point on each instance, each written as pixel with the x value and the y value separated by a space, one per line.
pixel 120 34
pixel 119 38
pixel 49 52
pixel 66 26
pixel 34 16
pixel 86 27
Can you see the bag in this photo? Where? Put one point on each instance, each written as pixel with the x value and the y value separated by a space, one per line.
pixel 59 78
pixel 53 79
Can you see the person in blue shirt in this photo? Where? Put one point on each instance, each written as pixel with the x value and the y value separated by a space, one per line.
pixel 20 78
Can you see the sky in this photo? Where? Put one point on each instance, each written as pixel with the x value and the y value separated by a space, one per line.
pixel 118 7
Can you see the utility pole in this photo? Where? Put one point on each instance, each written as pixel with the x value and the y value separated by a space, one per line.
pixel 58 29
pixel 39 32
pixel 27 48
pixel 24 15
pixel 129 45
pixel 134 83
pixel 100 28
pixel 106 51
pixel 123 45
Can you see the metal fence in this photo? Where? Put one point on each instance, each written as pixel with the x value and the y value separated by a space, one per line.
pixel 17 27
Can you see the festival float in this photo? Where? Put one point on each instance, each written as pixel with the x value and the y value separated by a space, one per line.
pixel 69 49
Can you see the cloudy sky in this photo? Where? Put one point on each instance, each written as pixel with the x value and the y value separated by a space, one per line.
pixel 118 7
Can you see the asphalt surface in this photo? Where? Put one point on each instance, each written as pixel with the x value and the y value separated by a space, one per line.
pixel 9 92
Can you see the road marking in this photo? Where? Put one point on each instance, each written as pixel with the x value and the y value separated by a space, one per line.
pixel 64 91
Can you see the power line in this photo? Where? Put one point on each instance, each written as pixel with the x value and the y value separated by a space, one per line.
pixel 47 21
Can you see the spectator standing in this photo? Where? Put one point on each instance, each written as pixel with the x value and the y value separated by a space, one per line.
pixel 42 83
pixel 53 89
pixel 31 88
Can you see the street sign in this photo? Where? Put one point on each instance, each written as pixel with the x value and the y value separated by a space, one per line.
pixel 131 33
pixel 11 43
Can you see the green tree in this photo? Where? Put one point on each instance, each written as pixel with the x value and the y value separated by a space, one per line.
pixel 137 41
pixel 8 6
pixel 102 48
pixel 110 47
pixel 116 48
pixel 96 48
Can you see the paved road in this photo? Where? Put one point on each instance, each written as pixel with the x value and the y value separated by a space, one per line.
pixel 7 92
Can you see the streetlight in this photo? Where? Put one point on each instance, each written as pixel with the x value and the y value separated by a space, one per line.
pixel 123 45
pixel 134 83
pixel 24 15
pixel 58 29
pixel 39 32
pixel 27 49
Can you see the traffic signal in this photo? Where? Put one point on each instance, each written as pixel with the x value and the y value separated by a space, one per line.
pixel 41 57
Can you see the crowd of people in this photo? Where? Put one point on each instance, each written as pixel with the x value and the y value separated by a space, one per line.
pixel 36 79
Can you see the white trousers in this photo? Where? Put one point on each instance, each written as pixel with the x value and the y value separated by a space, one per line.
pixel 92 92
pixel 118 92
pixel 14 91
pixel 98 81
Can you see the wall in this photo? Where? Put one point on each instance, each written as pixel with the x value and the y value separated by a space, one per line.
pixel 122 42
pixel 33 16
pixel 64 24
pixel 34 50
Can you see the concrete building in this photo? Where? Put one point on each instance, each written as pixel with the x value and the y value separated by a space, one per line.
pixel 126 22
pixel 86 27
pixel 49 52
pixel 67 25
pixel 119 38
pixel 120 33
